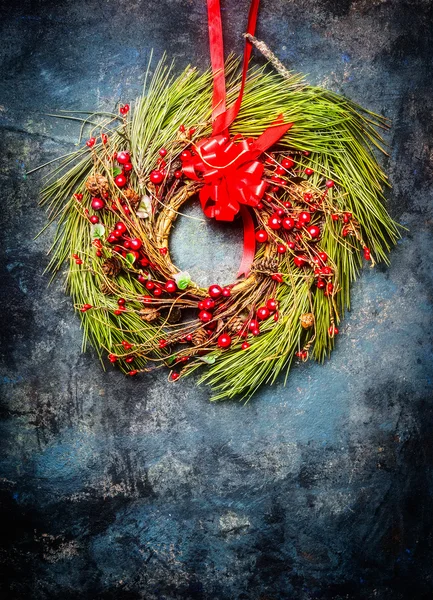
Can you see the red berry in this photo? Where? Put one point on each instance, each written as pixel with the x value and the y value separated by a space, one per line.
pixel 205 316
pixel 157 292
pixel 323 256
pixel 98 253
pixel 291 245
pixel 245 346
pixel 123 158
pixel 308 196
pixel 94 219
pixel 112 358
pixel 330 183
pixel 327 271
pixel 207 304
pixel 367 254
pixel 276 316
pixel 346 217
pixel 300 261
pixel 274 221
pixel 85 307
pixel 132 373
pixel 280 170
pixel 118 312
pixel 136 244
pixel 121 302
pixel 308 172
pixel 215 291
pixel 78 197
pixel 141 278
pixel 156 177
pixel 120 180
pixel 163 152
pixel 182 128
pixel 178 174
pixel 278 277
pixel 321 284
pixel 335 217
pixel 287 163
pixel 120 227
pixel 185 155
pixel 98 204
pixel 288 223
pixel 150 285
pixel 163 251
pixel 90 142
pixel 226 292
pixel 112 239
pixel 224 340
pixel 254 324
pixel 261 236
pixel 281 248
pixel 170 286
pixel 333 330
pixel 263 313
pixel 255 331
pixel 314 231
pixel 272 304
pixel 127 167
pixel 304 217
pixel 174 376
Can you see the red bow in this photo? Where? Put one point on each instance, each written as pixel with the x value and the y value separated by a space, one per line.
pixel 230 173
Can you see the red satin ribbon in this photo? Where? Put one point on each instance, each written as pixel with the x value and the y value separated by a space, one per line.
pixel 229 169
pixel 222 119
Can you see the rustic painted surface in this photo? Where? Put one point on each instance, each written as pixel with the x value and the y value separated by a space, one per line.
pixel 139 489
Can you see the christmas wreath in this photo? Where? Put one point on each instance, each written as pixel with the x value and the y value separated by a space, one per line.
pixel 296 163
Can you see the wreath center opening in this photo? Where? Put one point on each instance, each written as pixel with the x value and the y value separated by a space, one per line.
pixel 209 250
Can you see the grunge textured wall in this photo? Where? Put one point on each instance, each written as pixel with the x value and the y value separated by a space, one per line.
pixel 128 489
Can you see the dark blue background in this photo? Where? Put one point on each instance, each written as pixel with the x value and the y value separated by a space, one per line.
pixel 124 489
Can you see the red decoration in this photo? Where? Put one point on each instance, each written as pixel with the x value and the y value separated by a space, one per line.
pixel 98 204
pixel 205 316
pixel 120 180
pixel 288 223
pixel 215 291
pixel 314 231
pixel 156 177
pixel 261 236
pixel 123 157
pixel 272 304
pixel 263 313
pixel 274 222
pixel 170 286
pixel 224 340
